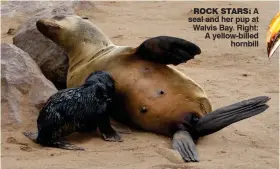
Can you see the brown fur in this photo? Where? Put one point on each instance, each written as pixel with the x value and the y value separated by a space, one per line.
pixel 164 94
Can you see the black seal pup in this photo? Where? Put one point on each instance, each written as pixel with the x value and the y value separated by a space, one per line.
pixel 81 109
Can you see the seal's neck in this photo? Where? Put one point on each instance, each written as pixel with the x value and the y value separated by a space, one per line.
pixel 85 52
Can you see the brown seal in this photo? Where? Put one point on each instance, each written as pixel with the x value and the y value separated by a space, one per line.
pixel 152 94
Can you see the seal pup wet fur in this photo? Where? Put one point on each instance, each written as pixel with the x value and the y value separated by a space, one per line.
pixel 151 94
pixel 81 109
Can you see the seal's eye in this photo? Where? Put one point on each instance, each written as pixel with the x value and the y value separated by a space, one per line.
pixel 84 17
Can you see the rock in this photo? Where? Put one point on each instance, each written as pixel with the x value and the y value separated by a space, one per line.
pixel 24 88
pixel 51 58
pixel 81 5
pixel 11 31
pixel 9 8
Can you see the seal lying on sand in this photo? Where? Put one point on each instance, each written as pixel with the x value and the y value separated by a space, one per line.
pixel 151 94
pixel 82 109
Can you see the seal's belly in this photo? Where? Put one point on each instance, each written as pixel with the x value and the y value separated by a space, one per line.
pixel 157 96
pixel 154 96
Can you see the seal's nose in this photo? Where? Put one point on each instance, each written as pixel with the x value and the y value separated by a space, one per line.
pixel 41 26
pixel 48 28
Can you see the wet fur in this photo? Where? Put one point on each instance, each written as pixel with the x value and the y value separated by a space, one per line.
pixel 82 109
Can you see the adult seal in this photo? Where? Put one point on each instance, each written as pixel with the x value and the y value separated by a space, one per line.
pixel 152 95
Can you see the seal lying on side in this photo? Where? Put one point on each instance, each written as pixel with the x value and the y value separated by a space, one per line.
pixel 82 109
pixel 151 94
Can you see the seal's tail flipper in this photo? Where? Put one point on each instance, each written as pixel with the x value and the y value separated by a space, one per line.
pixel 225 116
pixel 31 135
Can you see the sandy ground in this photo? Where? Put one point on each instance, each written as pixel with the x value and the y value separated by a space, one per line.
pixel 227 74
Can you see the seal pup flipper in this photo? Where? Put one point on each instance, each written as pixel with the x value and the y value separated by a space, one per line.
pixel 120 128
pixel 66 145
pixel 106 130
pixel 167 50
pixel 184 144
pixel 223 117
pixel 114 137
pixel 31 135
pixel 58 144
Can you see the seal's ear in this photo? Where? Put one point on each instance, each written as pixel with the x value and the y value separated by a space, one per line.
pixel 167 50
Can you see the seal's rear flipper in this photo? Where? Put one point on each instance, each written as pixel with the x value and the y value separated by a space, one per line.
pixel 58 144
pixel 184 144
pixel 31 135
pixel 225 116
pixel 67 146
pixel 167 50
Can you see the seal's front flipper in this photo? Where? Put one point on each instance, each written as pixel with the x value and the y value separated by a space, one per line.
pixel 109 134
pixel 31 135
pixel 106 130
pixel 67 146
pixel 114 137
pixel 184 144
pixel 167 50
pixel 222 117
pixel 120 128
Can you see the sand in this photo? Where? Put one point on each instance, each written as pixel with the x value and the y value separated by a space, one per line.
pixel 227 74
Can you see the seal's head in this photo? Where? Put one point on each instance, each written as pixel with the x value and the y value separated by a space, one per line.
pixel 71 32
pixel 101 77
pixel 104 84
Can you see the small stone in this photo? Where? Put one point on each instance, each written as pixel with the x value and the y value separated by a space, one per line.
pixel 223 151
pixel 244 74
pixel 11 31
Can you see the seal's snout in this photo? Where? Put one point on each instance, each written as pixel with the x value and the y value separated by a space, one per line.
pixel 41 26
pixel 48 28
